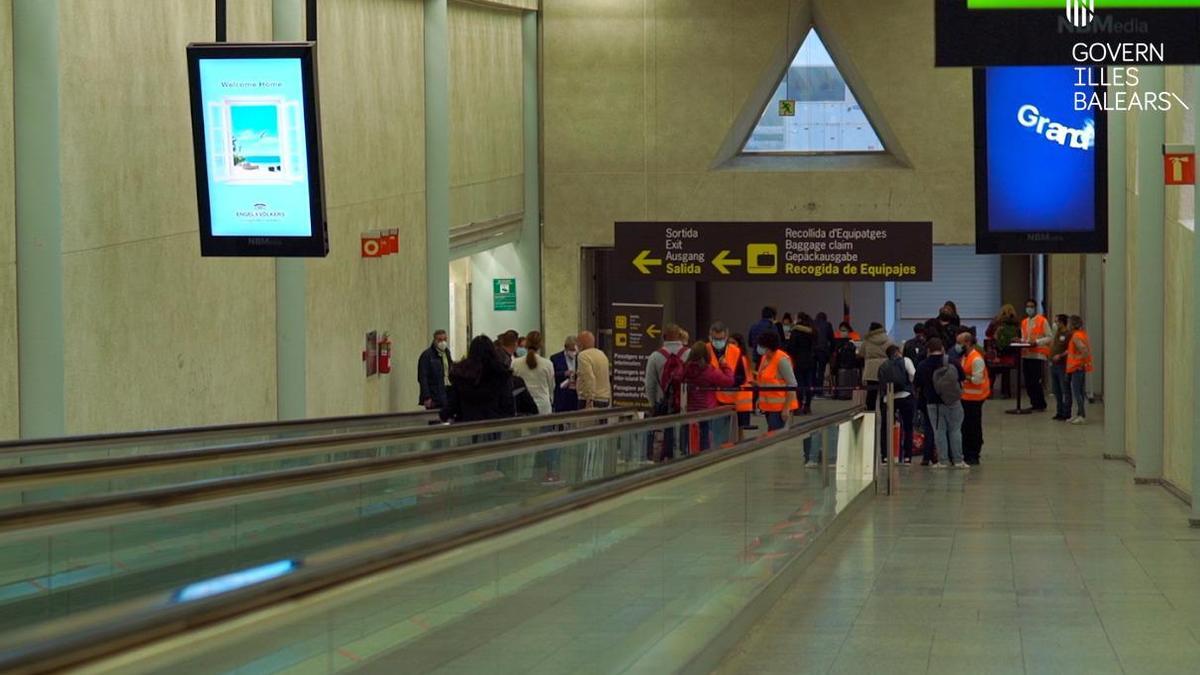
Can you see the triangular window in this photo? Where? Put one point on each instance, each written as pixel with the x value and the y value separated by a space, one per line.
pixel 813 110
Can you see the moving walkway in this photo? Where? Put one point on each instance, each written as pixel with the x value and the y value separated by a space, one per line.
pixel 61 557
pixel 622 566
pixel 98 473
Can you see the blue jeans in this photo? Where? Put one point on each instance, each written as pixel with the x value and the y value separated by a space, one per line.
pixel 1062 390
pixel 775 421
pixel 947 423
pixel 1078 379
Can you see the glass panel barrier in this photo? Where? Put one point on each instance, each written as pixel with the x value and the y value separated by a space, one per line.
pixel 641 581
pixel 61 481
pixel 95 558
pixel 77 448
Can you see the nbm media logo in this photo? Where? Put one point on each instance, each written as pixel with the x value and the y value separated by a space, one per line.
pixel 1081 12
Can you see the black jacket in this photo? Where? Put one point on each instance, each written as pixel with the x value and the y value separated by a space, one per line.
pixel 488 399
pixel 924 379
pixel 800 346
pixel 523 402
pixel 432 376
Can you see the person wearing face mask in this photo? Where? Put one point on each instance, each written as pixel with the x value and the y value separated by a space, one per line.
pixel 433 372
pixel 976 389
pixel 786 324
pixel 775 370
pixel 1035 330
pixel 721 351
pixel 565 398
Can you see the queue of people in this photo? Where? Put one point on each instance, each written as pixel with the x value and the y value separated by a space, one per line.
pixel 940 377
pixel 510 376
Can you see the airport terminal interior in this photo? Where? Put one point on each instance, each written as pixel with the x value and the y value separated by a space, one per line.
pixel 599 336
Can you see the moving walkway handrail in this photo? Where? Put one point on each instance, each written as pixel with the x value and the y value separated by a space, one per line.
pixel 284 447
pixel 62 443
pixel 46 514
pixel 107 632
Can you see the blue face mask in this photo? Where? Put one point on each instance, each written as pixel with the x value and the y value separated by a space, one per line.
pixel 958 348
pixel 762 351
pixel 719 344
pixel 1029 311
pixel 521 352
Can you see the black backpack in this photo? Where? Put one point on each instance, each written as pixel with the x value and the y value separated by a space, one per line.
pixel 915 350
pixel 893 372
pixel 847 355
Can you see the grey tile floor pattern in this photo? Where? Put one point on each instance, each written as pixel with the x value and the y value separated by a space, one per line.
pixel 1046 559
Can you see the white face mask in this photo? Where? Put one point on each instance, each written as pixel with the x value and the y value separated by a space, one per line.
pixel 443 345
pixel 571 353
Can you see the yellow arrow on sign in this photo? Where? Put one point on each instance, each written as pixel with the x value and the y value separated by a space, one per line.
pixel 643 262
pixel 653 331
pixel 723 262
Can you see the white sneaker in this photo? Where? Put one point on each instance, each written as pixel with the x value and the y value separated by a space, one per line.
pixel 811 465
pixel 961 465
pixel 940 465
pixel 1078 420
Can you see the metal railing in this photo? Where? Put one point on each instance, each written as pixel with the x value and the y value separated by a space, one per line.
pixel 34 474
pixel 213 433
pixel 327 475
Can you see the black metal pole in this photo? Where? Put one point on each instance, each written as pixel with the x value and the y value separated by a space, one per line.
pixel 311 16
pixel 222 20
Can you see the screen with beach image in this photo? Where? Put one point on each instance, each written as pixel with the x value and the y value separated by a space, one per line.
pixel 256 148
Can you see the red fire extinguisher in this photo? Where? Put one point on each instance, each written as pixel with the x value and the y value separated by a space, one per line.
pixel 385 355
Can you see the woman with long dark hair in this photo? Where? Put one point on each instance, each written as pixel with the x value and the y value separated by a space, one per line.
pixel 481 385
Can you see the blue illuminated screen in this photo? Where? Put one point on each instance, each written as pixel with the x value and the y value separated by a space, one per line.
pixel 256 147
pixel 1041 152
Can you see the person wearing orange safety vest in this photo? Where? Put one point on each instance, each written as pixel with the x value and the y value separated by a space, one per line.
pixel 1036 331
pixel 1079 364
pixel 775 370
pixel 721 351
pixel 977 388
pixel 746 398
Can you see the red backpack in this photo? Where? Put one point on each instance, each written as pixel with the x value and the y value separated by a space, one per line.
pixel 671 383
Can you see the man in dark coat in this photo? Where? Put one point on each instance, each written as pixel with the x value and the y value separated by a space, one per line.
pixel 433 372
pixel 565 397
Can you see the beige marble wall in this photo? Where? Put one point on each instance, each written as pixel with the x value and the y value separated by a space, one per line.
pixel 1066 284
pixel 8 244
pixel 486 171
pixel 1178 267
pixel 639 95
pixel 1131 250
pixel 156 335
pixel 372 86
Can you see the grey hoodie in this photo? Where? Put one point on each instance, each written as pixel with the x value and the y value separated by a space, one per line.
pixel 873 351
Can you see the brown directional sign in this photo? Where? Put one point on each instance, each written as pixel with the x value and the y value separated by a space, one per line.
pixel 637 332
pixel 662 251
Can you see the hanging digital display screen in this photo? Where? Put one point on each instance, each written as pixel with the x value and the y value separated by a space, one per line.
pixel 1050 32
pixel 257 146
pixel 1041 160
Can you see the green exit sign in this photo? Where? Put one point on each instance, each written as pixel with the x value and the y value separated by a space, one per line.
pixel 1100 4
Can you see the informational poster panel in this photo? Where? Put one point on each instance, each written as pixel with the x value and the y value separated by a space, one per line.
pixel 755 251
pixel 257 147
pixel 637 333
pixel 504 295
pixel 1050 32
pixel 1041 161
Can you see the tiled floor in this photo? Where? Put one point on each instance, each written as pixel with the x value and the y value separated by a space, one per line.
pixel 1046 559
